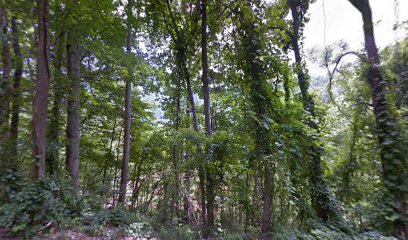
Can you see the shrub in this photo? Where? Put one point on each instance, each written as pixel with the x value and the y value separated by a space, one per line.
pixel 176 233
pixel 36 204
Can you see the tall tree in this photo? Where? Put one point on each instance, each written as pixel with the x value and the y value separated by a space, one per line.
pixel 53 132
pixel 128 111
pixel 207 117
pixel 261 105
pixel 40 101
pixel 393 160
pixel 5 82
pixel 16 92
pixel 320 192
pixel 73 102
pixel 183 35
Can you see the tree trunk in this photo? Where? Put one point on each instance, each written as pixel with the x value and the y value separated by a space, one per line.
pixel 53 132
pixel 187 188
pixel 207 116
pixel 137 184
pixel 105 167
pixel 321 197
pixel 128 116
pixel 115 179
pixel 201 173
pixel 393 160
pixel 4 86
pixel 16 92
pixel 40 101
pixel 73 105
pixel 262 107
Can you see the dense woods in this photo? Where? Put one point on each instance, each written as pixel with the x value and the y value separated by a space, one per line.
pixel 197 119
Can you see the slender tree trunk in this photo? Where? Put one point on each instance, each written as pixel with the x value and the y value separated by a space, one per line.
pixel 204 59
pixel 187 187
pixel 53 133
pixel 16 92
pixel 201 172
pixel 73 105
pixel 137 184
pixel 321 197
pixel 128 115
pixel 115 179
pixel 393 160
pixel 40 101
pixel 105 167
pixel 4 85
pixel 207 116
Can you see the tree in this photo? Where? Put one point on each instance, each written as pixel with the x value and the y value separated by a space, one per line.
pixel 128 112
pixel 73 104
pixel 5 82
pixel 261 105
pixel 53 131
pixel 207 117
pixel 322 201
pixel 392 158
pixel 40 101
pixel 16 92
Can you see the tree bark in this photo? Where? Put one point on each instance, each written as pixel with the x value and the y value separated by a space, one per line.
pixel 40 101
pixel 73 105
pixel 16 92
pixel 128 115
pixel 393 160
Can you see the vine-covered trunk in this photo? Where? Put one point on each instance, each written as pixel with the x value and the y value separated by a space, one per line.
pixel 40 101
pixel 394 162
pixel 262 107
pixel 320 192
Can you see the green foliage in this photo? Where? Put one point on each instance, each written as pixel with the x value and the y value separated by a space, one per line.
pixel 176 233
pixel 327 232
pixel 119 219
pixel 257 115
pixel 36 204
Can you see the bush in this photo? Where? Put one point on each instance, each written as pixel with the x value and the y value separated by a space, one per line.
pixel 105 222
pixel 48 201
pixel 176 233
pixel 233 236
pixel 325 232
pixel 139 230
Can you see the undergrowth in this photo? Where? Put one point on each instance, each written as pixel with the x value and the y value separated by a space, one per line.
pixel 35 209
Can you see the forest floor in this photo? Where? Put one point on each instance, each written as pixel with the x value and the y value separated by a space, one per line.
pixel 74 235
pixel 5 235
pixel 67 235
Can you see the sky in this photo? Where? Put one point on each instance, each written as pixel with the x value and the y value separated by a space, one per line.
pixel 334 20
